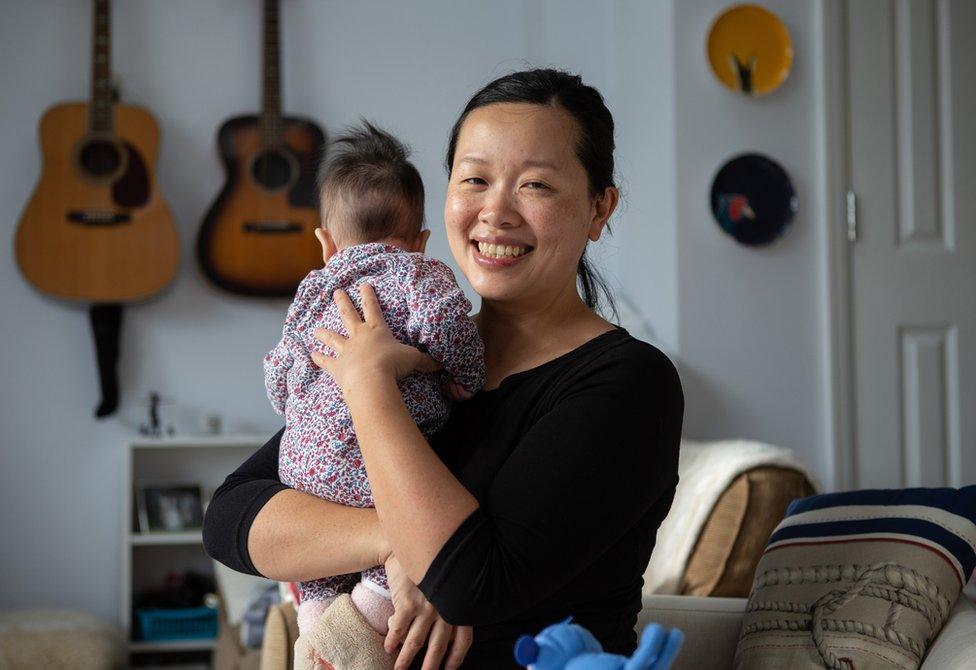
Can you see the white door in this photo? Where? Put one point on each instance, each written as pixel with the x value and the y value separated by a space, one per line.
pixel 911 96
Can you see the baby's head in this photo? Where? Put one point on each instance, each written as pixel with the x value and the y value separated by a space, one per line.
pixel 370 192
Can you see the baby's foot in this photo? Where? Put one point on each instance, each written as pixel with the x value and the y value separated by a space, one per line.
pixel 376 609
pixel 343 638
pixel 309 612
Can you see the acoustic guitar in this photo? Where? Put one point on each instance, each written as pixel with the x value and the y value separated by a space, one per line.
pixel 96 228
pixel 257 239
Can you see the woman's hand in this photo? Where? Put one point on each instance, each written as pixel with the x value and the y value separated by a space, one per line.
pixel 370 349
pixel 414 618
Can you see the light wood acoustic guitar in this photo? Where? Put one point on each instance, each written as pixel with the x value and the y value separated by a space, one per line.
pixel 96 228
pixel 257 239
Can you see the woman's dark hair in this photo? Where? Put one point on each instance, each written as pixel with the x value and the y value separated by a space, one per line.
pixel 368 175
pixel 594 147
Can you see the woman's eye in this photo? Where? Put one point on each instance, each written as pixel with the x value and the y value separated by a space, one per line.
pixel 536 185
pixel 477 181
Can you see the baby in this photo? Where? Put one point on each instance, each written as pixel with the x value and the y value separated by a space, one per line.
pixel 372 203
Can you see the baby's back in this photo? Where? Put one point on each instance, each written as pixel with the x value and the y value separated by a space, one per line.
pixel 319 452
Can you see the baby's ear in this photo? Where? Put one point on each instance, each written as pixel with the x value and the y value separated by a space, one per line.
pixel 328 244
pixel 420 242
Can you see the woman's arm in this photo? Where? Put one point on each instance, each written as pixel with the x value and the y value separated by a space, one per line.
pixel 419 502
pixel 257 525
pixel 298 537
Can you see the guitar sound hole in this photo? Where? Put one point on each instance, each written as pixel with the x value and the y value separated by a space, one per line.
pixel 272 169
pixel 100 158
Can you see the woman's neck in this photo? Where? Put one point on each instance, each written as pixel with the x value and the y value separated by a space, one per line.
pixel 519 339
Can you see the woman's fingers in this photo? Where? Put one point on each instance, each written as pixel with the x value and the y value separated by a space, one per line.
pixel 399 625
pixel 459 647
pixel 347 310
pixel 416 638
pixel 440 638
pixel 372 312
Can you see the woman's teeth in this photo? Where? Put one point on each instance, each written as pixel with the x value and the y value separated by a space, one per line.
pixel 500 250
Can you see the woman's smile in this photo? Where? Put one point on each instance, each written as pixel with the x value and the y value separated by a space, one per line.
pixel 498 252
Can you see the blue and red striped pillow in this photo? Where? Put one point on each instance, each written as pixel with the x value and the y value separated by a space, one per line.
pixel 859 579
pixel 942 520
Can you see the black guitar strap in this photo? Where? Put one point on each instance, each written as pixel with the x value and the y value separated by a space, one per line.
pixel 106 323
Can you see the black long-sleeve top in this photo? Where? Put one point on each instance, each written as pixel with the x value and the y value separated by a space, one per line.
pixel 573 464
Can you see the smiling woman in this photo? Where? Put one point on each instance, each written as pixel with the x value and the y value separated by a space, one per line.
pixel 541 497
pixel 515 186
pixel 549 137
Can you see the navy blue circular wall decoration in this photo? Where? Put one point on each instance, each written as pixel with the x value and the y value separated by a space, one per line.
pixel 753 199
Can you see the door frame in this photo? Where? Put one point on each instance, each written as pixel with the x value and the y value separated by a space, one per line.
pixel 832 134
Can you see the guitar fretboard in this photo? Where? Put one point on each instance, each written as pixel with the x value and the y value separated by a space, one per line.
pixel 271 85
pixel 100 110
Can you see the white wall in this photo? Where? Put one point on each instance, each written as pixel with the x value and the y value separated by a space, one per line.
pixel 744 324
pixel 408 66
pixel 751 320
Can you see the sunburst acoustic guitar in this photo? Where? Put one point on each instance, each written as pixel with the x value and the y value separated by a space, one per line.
pixel 96 228
pixel 257 238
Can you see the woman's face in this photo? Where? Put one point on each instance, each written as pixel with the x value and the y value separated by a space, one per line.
pixel 519 211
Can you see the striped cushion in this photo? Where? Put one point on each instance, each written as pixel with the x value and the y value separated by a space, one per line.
pixel 859 580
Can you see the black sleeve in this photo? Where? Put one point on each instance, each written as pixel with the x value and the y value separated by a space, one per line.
pixel 581 477
pixel 236 502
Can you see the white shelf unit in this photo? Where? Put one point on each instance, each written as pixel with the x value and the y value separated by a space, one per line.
pixel 147 557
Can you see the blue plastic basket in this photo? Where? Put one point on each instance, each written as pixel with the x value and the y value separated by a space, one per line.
pixel 197 623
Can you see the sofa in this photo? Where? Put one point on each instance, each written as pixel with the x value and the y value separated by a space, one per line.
pixel 711 628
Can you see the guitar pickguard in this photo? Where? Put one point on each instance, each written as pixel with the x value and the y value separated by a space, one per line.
pixel 132 188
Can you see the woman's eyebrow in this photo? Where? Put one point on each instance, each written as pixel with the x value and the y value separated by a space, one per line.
pixel 539 164
pixel 477 160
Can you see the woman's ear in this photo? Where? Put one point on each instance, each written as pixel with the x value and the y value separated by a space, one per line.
pixel 328 244
pixel 601 210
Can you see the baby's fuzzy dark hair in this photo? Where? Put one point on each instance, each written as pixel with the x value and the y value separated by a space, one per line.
pixel 369 189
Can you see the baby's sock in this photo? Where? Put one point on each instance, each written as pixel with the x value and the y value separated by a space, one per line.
pixel 376 609
pixel 309 612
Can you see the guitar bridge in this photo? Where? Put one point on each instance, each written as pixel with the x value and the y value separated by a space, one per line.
pixel 98 217
pixel 272 227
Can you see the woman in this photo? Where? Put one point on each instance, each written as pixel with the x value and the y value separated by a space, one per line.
pixel 541 497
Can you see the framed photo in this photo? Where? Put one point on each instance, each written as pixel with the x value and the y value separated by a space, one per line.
pixel 169 507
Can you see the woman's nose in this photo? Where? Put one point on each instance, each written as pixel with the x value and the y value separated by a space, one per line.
pixel 498 210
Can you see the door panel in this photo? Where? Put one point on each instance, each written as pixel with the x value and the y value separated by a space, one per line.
pixel 911 101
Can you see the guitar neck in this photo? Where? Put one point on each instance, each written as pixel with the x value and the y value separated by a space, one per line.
pixel 271 82
pixel 100 109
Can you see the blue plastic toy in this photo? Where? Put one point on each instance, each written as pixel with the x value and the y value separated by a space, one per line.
pixel 568 646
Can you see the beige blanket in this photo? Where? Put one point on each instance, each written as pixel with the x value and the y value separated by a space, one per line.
pixel 705 470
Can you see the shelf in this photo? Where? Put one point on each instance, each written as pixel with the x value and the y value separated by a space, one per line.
pixel 149 558
pixel 147 539
pixel 199 441
pixel 173 645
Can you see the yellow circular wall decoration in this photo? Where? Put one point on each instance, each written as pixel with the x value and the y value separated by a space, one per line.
pixel 749 49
